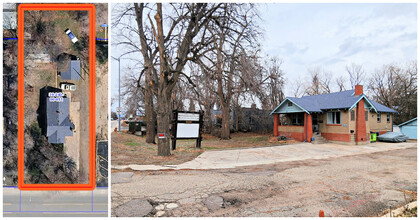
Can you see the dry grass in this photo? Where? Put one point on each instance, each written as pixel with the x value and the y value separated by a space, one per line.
pixel 132 149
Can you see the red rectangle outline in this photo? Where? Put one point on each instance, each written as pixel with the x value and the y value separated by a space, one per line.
pixel 56 7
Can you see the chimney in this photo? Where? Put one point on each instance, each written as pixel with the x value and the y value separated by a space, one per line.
pixel 358 90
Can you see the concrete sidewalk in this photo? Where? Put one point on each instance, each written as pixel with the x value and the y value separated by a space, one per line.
pixel 224 159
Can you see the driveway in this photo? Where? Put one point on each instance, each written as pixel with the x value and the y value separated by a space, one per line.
pixel 355 185
pixel 225 159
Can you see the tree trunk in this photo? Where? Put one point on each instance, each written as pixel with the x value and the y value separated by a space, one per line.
pixel 208 118
pixel 163 113
pixel 150 117
pixel 225 133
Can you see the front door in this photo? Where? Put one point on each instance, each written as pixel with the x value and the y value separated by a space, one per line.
pixel 315 127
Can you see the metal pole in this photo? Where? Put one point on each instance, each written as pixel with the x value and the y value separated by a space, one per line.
pixel 119 95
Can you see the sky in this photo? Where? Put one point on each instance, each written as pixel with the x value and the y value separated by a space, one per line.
pixel 329 36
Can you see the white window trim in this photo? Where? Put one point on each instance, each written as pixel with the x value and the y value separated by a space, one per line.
pixel 332 119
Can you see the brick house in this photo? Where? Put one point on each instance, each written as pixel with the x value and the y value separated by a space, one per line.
pixel 346 117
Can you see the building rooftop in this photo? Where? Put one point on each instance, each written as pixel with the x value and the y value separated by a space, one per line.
pixel 58 122
pixel 336 100
pixel 73 71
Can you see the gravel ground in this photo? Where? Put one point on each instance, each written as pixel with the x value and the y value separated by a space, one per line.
pixel 360 185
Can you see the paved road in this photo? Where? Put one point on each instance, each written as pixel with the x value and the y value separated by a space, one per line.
pixel 224 159
pixel 355 185
pixel 55 203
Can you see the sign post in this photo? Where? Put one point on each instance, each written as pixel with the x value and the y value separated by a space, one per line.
pixel 187 125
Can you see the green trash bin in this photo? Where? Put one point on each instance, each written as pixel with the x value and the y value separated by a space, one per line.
pixel 372 137
pixel 134 126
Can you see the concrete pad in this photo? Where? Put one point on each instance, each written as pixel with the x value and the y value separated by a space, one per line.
pixel 72 143
pixel 224 159
pixel 121 177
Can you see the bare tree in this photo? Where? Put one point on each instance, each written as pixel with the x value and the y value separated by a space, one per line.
pixel 271 93
pixel 205 93
pixel 233 35
pixel 186 22
pixel 341 81
pixel 298 88
pixel 396 87
pixel 135 36
pixel 134 96
pixel 356 74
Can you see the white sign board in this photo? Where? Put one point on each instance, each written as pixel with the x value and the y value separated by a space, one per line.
pixel 188 117
pixel 187 130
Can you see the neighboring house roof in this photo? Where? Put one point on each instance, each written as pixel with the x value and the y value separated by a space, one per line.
pixel 337 100
pixel 407 122
pixel 73 72
pixel 58 122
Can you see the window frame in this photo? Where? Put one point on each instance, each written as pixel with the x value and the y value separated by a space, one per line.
pixel 295 119
pixel 332 118
pixel 378 118
pixel 352 115
pixel 388 117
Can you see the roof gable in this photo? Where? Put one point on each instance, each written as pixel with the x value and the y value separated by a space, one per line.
pixel 285 108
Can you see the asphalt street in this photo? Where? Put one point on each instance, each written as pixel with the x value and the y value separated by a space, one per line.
pixel 18 203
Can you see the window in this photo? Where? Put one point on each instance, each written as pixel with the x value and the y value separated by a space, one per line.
pixel 352 115
pixel 378 118
pixel 297 119
pixel 251 121
pixel 289 104
pixel 366 115
pixel 334 117
pixel 388 117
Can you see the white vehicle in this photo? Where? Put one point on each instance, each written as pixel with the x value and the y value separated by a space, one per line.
pixel 67 86
pixel 71 35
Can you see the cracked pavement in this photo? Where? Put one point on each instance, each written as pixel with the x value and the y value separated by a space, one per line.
pixel 355 185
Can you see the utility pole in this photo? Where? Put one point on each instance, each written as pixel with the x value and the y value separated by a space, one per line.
pixel 119 90
pixel 119 94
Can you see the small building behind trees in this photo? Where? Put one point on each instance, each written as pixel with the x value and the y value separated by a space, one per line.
pixel 245 119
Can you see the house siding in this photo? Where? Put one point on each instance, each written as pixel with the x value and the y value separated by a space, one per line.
pixel 342 128
pixel 292 131
pixel 410 129
pixel 381 127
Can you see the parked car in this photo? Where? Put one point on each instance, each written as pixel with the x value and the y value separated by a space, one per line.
pixel 393 137
pixel 68 86
pixel 71 35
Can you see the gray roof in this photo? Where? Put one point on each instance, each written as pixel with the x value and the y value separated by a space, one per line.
pixel 407 122
pixel 73 72
pixel 382 108
pixel 336 100
pixel 58 122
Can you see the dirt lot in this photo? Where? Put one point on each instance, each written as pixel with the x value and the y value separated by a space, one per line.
pixel 360 185
pixel 132 149
pixel 43 74
pixel 44 41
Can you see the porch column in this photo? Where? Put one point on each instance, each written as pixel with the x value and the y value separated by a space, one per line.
pixel 276 125
pixel 308 126
pixel 361 122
